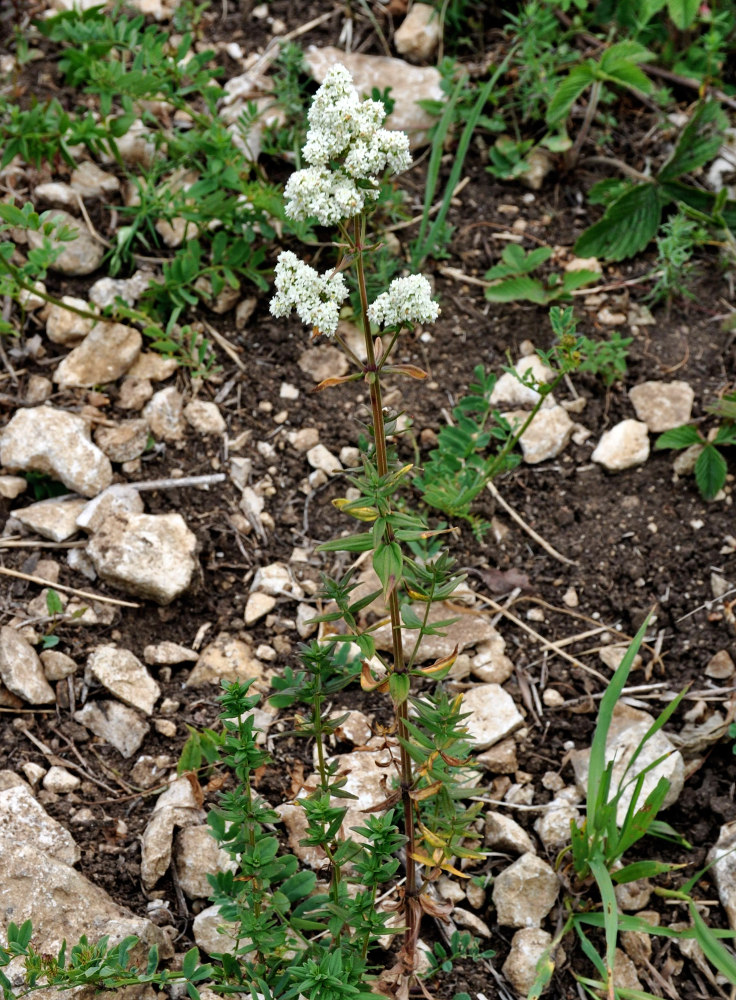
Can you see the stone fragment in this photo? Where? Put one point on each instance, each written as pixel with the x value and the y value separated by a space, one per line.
pixel 149 771
pixel 419 34
pixel 225 659
pixel 61 903
pixel 124 442
pixel 12 487
pixel 43 439
pixel 111 501
pixel 90 181
pixel 166 728
pixel 304 624
pixel 165 414
pixel 168 653
pixel 61 781
pixel 356 729
pixel 505 834
pixel 624 972
pixel 539 162
pixel 720 666
pixel 624 446
pixel 500 758
pixel 33 772
pixel 468 631
pixel 527 947
pixel 303 439
pixel 553 826
pixel 154 367
pixel 124 676
pixel 409 84
pixel 212 934
pixel 106 291
pixel 613 655
pixel 137 147
pixel 662 405
pixel 723 870
pixel 23 817
pixel 21 670
pixel 464 918
pixel 79 561
pixel 205 417
pixel 633 896
pixel 525 892
pixel 493 714
pixel 66 327
pixel 58 194
pixel 53 519
pixel 175 232
pixel 134 393
pixel 322 458
pixel 148 555
pixel 79 256
pixel 176 807
pixel 276 579
pixel 120 726
pixel 105 354
pixel 323 362
pixel 628 728
pixel 546 436
pixel 258 606
pixel 57 665
pixel 197 855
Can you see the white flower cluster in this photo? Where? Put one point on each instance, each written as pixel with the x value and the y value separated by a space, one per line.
pixel 347 152
pixel 408 300
pixel 316 297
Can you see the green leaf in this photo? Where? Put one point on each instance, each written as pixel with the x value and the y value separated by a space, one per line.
pixel 710 471
pixel 350 543
pixel 519 288
pixel 568 92
pixel 12 215
pixel 576 279
pixel 53 602
pixel 683 12
pixel 642 869
pixel 713 949
pixel 399 686
pixel 299 885
pixel 627 226
pixel 190 962
pixel 699 143
pixel 388 564
pixel 678 437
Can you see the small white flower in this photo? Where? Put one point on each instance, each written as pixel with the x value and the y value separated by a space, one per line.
pixel 316 297
pixel 408 300
pixel 323 194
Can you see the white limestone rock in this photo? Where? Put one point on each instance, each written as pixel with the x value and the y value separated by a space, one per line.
pixel 148 555
pixel 553 826
pixel 724 869
pixel 79 256
pixel 322 458
pixel 176 807
pixel 168 653
pixel 44 439
pixel 628 727
pixel 54 519
pixel 546 436
pixel 527 947
pixel 56 665
pixel 124 676
pixel 165 414
pixel 419 34
pixel 66 327
pixel 276 580
pixel 662 405
pixel 23 817
pixel 59 780
pixel 205 417
pixel 504 834
pixel 212 934
pixel 124 442
pixel 196 856
pixel 111 501
pixel 493 715
pixel 258 606
pixel 120 726
pixel 21 670
pixel 105 354
pixel 90 181
pixel 525 892
pixel 226 659
pixel 623 446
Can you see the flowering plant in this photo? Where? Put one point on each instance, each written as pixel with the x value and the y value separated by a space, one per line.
pixel 348 152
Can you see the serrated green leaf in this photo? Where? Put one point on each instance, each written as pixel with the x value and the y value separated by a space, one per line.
pixel 578 279
pixel 629 75
pixel 607 191
pixel 568 92
pixel 699 143
pixel 627 226
pixel 678 437
pixel 710 471
pixel 623 54
pixel 521 287
pixel 683 12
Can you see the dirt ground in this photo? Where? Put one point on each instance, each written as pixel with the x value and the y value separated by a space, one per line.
pixel 636 541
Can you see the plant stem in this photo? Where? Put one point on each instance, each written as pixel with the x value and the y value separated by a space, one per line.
pixel 399 666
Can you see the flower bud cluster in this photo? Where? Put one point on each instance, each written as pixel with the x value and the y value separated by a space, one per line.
pixel 408 300
pixel 347 151
pixel 316 297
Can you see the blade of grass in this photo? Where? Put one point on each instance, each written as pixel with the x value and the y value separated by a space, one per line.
pixel 610 913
